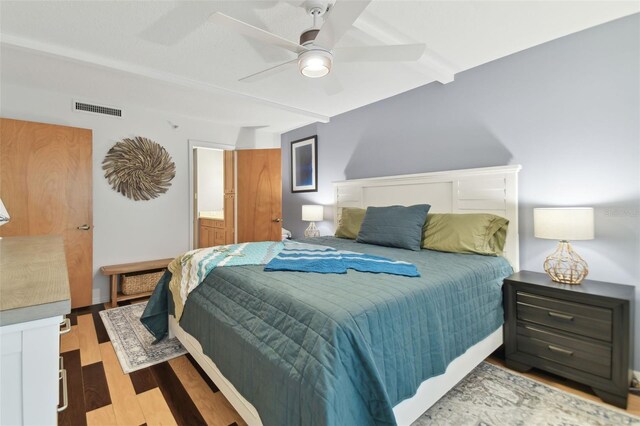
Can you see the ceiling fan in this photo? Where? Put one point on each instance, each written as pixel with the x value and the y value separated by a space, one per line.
pixel 315 49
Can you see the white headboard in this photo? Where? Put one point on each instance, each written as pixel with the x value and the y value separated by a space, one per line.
pixel 483 190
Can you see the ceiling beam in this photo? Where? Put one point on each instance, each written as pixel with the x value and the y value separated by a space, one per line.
pixel 127 67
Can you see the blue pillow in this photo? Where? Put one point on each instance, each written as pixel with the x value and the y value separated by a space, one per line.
pixel 394 226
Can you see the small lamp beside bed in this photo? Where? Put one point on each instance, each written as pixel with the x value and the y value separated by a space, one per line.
pixel 564 224
pixel 312 213
pixel 4 215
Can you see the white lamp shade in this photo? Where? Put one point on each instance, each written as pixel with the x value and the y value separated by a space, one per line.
pixel 4 215
pixel 565 223
pixel 312 213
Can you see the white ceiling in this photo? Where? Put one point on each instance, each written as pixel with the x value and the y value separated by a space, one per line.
pixel 166 55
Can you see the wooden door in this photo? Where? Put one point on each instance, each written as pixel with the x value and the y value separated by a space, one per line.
pixel 259 195
pixel 46 186
pixel 197 228
pixel 229 197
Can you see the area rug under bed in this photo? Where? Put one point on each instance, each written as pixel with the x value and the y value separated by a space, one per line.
pixel 493 396
pixel 133 343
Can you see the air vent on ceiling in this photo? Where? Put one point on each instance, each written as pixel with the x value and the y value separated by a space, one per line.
pixel 96 109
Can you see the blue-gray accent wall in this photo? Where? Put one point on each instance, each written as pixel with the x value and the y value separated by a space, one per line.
pixel 568 111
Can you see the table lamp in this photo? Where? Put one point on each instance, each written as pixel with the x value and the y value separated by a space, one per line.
pixel 564 224
pixel 4 215
pixel 312 213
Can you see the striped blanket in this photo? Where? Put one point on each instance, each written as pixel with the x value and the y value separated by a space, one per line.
pixel 304 257
pixel 189 270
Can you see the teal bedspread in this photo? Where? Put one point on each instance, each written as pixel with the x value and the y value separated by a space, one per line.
pixel 322 349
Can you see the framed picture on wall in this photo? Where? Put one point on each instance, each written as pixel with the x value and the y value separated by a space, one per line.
pixel 304 165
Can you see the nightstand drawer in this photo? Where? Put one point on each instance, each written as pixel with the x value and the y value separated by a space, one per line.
pixel 560 305
pixel 584 320
pixel 578 354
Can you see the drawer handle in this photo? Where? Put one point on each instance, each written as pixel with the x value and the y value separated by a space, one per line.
pixel 560 350
pixel 561 316
pixel 65 395
pixel 66 326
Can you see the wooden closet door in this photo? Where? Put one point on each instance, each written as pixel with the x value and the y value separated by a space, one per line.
pixel 46 186
pixel 259 195
pixel 229 197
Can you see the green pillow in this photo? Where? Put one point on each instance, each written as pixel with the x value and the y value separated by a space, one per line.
pixel 349 223
pixel 479 233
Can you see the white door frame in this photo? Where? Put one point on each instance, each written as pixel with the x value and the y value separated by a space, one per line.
pixel 193 144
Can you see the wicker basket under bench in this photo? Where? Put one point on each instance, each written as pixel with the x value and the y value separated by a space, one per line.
pixel 138 278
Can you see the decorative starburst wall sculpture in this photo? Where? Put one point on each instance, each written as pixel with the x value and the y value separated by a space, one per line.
pixel 139 168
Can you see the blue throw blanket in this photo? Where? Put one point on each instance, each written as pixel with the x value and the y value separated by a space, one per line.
pixel 302 257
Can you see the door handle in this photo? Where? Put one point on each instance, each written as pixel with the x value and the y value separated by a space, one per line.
pixel 67 326
pixel 62 376
pixel 277 220
pixel 84 227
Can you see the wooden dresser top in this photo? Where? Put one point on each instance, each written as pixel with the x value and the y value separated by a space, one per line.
pixel 33 279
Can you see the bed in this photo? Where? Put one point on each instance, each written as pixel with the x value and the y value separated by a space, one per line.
pixel 359 348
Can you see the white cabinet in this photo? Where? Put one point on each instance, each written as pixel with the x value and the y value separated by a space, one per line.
pixel 30 372
pixel 34 297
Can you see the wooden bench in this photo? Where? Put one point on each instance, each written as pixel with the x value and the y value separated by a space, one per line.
pixel 114 271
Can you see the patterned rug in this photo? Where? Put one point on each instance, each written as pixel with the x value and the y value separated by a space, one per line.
pixel 492 396
pixel 133 343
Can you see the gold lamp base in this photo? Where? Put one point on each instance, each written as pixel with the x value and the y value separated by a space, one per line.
pixel 565 265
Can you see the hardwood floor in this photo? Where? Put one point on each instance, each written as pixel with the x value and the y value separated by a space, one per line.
pixel 176 392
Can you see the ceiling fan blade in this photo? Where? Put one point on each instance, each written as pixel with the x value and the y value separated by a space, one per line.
pixel 177 23
pixel 255 32
pixel 268 72
pixel 399 53
pixel 338 21
pixel 270 56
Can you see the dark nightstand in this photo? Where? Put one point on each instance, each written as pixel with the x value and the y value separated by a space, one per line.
pixel 581 332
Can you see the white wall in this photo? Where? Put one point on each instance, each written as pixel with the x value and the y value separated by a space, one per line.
pixel 125 230
pixel 210 179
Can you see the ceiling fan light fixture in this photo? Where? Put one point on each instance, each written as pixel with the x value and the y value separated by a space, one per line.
pixel 315 63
